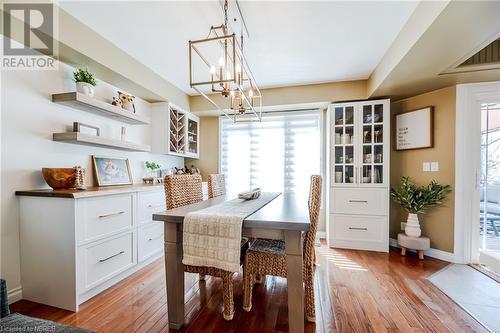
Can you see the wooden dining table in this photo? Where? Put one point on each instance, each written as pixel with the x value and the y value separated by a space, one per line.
pixel 285 217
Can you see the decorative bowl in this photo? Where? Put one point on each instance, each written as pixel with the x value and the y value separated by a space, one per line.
pixel 60 178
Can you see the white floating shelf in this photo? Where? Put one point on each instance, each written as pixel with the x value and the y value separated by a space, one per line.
pixel 92 105
pixel 93 140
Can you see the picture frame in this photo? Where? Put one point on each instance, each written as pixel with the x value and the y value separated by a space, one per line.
pixel 111 171
pixel 414 129
pixel 86 129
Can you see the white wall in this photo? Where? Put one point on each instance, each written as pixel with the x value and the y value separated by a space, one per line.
pixel 28 119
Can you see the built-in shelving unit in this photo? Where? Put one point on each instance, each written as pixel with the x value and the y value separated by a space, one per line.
pixel 92 105
pixel 175 131
pixel 93 140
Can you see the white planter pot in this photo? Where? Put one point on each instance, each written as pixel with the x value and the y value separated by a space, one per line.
pixel 412 228
pixel 85 88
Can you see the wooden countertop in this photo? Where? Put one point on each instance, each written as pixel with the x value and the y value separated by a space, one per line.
pixel 90 191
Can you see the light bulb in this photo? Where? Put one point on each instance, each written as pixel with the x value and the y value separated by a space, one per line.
pixel 250 93
pixel 212 69
pixel 221 62
pixel 232 93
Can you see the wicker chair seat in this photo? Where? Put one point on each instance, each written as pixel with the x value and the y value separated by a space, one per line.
pixel 271 246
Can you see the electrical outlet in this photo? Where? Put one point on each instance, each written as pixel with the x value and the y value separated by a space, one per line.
pixel 435 166
pixel 426 166
pixel 403 225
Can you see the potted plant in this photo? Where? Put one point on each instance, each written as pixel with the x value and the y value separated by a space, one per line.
pixel 85 82
pixel 153 167
pixel 417 199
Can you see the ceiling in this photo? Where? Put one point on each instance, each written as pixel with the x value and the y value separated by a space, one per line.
pixel 291 42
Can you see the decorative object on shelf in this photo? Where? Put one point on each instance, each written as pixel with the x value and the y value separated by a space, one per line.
pixel 417 199
pixel 117 102
pixel 112 171
pixel 127 101
pixel 86 129
pixel 153 168
pixel 231 77
pixel 85 82
pixel 415 129
pixel 194 170
pixel 65 178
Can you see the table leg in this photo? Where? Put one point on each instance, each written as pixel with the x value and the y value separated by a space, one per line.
pixel 295 281
pixel 174 271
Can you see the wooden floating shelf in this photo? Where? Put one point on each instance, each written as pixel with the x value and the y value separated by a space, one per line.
pixel 88 104
pixel 93 140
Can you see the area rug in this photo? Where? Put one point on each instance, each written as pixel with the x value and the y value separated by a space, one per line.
pixel 473 291
pixel 20 323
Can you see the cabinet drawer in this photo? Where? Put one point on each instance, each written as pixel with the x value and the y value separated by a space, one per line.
pixel 104 260
pixel 103 216
pixel 150 240
pixel 369 201
pixel 360 228
pixel 149 203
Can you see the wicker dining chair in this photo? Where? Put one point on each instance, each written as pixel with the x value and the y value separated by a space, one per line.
pixel 216 185
pixel 267 257
pixel 181 190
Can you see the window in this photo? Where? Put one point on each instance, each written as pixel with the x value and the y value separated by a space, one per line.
pixel 278 154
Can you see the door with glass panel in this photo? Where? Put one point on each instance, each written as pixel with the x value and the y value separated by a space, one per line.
pixel 489 216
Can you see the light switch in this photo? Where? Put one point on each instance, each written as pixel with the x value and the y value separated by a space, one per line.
pixel 426 167
pixel 435 166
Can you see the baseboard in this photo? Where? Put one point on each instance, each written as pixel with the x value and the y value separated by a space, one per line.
pixel 434 253
pixel 15 295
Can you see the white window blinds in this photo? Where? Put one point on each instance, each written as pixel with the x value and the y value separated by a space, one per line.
pixel 278 154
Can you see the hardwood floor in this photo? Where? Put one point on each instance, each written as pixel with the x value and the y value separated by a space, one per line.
pixel 356 291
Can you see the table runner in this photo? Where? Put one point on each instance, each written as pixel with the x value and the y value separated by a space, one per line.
pixel 211 236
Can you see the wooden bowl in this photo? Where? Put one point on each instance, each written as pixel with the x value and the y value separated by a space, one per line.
pixel 59 178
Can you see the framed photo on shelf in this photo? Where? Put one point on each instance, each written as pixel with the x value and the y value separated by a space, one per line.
pixel 111 171
pixel 414 129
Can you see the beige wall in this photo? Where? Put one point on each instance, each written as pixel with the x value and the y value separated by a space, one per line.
pixel 438 222
pixel 209 147
pixel 311 93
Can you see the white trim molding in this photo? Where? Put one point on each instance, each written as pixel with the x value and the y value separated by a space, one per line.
pixel 468 165
pixel 434 253
pixel 15 294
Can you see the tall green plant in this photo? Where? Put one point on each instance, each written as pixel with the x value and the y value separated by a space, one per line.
pixel 83 75
pixel 416 199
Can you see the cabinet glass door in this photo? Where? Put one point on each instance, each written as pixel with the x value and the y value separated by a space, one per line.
pixel 343 145
pixel 372 158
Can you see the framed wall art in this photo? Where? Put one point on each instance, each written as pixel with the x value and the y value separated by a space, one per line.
pixel 414 129
pixel 111 171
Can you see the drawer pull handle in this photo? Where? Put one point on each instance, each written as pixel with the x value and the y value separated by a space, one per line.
pixel 109 215
pixel 111 257
pixel 153 206
pixel 359 201
pixel 354 228
pixel 153 238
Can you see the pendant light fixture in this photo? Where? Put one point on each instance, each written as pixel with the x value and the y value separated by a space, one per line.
pixel 217 67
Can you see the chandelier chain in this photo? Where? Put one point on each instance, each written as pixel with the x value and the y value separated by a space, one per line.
pixel 225 13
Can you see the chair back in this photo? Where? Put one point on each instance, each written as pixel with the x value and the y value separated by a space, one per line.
pixel 182 190
pixel 216 185
pixel 314 207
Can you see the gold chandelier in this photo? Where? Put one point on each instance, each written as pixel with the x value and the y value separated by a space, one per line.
pixel 217 63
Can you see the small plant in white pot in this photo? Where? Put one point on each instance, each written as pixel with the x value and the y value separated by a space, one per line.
pixel 417 199
pixel 85 82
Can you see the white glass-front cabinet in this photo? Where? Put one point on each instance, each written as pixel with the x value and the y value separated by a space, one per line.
pixel 359 145
pixel 175 131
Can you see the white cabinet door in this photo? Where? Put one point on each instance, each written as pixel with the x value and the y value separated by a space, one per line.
pixel 150 240
pixel 363 201
pixel 149 203
pixel 359 232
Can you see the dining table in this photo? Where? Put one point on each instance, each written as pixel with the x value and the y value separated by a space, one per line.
pixel 286 217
